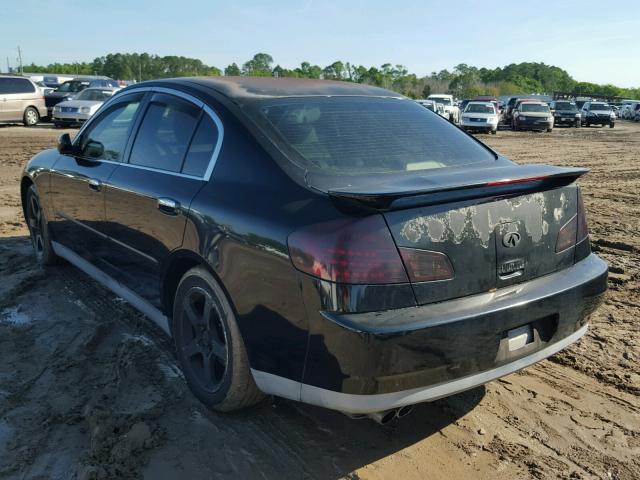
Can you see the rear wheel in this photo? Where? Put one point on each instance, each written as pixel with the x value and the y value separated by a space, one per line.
pixel 30 117
pixel 549 130
pixel 39 229
pixel 209 345
pixel 611 125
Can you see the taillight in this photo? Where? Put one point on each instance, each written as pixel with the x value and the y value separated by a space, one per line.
pixel 359 251
pixel 425 265
pixel 567 235
pixel 575 230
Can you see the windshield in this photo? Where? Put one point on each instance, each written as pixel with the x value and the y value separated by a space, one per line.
pixel 600 106
pixel 429 106
pixel 94 94
pixel 359 136
pixel 441 101
pixel 70 87
pixel 534 107
pixel 566 106
pixel 479 108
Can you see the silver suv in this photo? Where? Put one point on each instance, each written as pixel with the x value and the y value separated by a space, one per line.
pixel 21 100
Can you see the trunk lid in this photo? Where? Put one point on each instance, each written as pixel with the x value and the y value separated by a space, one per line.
pixel 497 226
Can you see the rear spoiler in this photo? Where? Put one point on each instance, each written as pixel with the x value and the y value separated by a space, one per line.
pixel 458 186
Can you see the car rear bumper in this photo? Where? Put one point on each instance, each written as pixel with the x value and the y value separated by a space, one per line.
pixel 367 362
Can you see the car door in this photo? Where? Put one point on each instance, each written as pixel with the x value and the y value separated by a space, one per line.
pixel 77 179
pixel 148 198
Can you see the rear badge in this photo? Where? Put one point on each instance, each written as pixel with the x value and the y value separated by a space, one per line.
pixel 511 239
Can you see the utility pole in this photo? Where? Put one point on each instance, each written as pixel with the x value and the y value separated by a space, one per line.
pixel 8 65
pixel 20 60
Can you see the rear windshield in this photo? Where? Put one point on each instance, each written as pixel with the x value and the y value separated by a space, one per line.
pixel 480 108
pixel 351 136
pixel 534 107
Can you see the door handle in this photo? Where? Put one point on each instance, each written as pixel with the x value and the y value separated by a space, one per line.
pixel 95 184
pixel 168 206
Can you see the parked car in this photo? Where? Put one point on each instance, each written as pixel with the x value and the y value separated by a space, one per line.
pixel 565 112
pixel 507 116
pixel 532 115
pixel 66 91
pixel 480 116
pixel 43 87
pixel 447 101
pixel 429 105
pixel 597 113
pixel 82 107
pixel 328 242
pixel 21 100
pixel 636 112
pixel 462 104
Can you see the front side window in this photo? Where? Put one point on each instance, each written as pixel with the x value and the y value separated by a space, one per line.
pixel 165 133
pixel 106 137
pixel 354 136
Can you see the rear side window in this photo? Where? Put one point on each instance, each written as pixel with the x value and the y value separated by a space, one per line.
pixel 16 85
pixel 358 136
pixel 201 148
pixel 165 133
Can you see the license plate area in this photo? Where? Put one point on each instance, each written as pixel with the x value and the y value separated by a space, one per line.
pixel 526 339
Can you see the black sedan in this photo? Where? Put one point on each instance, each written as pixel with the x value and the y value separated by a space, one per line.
pixel 331 243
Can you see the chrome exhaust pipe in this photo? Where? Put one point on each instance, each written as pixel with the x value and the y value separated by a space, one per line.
pixel 404 411
pixel 383 417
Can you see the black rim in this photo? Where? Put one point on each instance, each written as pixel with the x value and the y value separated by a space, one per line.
pixel 34 214
pixel 203 339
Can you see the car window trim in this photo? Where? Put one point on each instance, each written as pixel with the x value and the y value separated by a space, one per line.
pixel 134 131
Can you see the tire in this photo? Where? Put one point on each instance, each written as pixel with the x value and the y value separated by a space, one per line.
pixel 58 125
pixel 30 117
pixel 587 124
pixel 578 124
pixel 39 230
pixel 611 125
pixel 493 132
pixel 549 130
pixel 209 346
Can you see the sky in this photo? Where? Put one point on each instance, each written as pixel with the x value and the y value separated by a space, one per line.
pixel 594 41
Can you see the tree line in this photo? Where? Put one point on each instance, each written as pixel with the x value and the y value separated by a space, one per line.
pixel 463 80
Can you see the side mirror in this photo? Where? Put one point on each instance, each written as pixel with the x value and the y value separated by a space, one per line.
pixel 93 149
pixel 64 144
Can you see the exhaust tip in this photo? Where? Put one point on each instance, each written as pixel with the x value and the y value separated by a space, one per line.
pixel 383 417
pixel 404 411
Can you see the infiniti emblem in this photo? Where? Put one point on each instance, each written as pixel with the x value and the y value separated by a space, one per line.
pixel 511 239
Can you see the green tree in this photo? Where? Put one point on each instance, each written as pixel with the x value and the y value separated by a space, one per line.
pixel 232 70
pixel 258 66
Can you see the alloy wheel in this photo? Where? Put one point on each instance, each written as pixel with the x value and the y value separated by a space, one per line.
pixel 31 116
pixel 203 339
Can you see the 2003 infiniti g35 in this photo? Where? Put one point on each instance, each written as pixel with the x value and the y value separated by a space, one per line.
pixel 327 242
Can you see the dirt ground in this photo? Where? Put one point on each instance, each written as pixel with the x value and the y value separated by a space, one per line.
pixel 89 389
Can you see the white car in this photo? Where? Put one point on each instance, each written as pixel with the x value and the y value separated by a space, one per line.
pixel 447 101
pixel 480 116
pixel 81 107
pixel 434 107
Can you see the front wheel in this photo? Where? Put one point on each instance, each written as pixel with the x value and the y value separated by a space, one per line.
pixel 494 131
pixel 39 229
pixel 549 130
pixel 611 125
pixel 30 117
pixel 209 345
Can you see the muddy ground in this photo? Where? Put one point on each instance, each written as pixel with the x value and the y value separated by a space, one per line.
pixel 88 389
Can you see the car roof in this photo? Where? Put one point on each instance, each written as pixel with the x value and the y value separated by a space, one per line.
pixel 245 89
